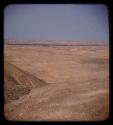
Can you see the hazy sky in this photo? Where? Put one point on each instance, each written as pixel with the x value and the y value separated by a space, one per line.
pixel 56 22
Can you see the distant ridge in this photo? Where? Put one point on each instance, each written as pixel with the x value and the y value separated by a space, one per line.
pixel 54 43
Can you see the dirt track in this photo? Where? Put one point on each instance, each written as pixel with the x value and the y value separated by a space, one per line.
pixel 77 79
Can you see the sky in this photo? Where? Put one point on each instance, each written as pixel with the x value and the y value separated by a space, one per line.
pixel 76 22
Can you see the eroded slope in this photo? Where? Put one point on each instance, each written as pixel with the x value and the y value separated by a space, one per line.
pixel 18 82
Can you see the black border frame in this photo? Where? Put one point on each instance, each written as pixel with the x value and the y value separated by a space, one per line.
pixel 3 4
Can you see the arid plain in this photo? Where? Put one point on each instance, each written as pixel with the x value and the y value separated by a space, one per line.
pixel 56 83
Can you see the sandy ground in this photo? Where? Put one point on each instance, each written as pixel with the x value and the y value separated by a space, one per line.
pixel 77 80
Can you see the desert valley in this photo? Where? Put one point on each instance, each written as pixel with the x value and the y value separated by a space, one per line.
pixel 45 82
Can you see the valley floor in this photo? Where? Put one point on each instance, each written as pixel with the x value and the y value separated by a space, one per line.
pixel 75 82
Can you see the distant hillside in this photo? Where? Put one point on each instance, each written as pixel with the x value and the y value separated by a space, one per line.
pixel 54 43
pixel 18 82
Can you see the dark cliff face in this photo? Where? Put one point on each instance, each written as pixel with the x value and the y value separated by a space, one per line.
pixel 18 82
